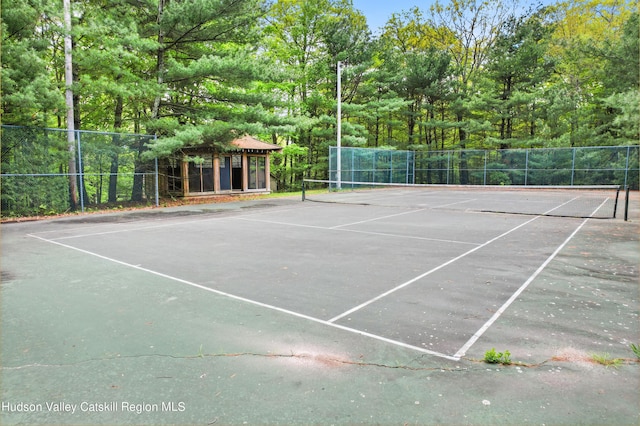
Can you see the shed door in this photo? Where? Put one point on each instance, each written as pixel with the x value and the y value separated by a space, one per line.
pixel 201 175
pixel 236 177
pixel 225 173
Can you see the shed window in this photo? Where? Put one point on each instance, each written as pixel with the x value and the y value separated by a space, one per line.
pixel 257 172
pixel 201 174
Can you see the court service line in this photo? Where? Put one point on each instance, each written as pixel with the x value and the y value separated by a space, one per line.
pixel 437 268
pixel 338 229
pixel 453 204
pixel 376 218
pixel 463 350
pixel 250 301
pixel 429 272
pixel 165 222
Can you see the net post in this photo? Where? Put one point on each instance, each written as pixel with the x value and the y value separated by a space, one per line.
pixel 303 194
pixel 615 204
pixel 626 203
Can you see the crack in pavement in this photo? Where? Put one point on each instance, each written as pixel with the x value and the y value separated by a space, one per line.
pixel 320 359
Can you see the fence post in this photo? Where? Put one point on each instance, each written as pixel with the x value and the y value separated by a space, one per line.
pixel 80 175
pixel 156 182
pixel 485 168
pixel 526 166
pixel 573 164
pixel 406 174
pixel 353 166
pixel 626 166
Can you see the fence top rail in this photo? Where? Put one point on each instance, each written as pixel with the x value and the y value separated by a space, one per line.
pixel 447 185
pixel 488 150
pixel 98 132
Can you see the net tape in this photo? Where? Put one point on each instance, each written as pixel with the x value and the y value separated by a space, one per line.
pixel 599 201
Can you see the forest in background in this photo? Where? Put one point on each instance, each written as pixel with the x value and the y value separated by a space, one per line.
pixel 462 74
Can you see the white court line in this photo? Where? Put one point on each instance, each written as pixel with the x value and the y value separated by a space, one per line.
pixel 449 262
pixel 337 229
pixel 453 204
pixel 165 224
pixel 317 320
pixel 409 237
pixel 377 218
pixel 463 350
pixel 250 301
pixel 429 272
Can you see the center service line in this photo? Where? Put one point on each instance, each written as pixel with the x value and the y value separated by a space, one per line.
pixel 431 271
pixel 419 277
pixel 462 351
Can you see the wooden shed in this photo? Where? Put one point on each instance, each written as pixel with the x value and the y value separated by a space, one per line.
pixel 203 171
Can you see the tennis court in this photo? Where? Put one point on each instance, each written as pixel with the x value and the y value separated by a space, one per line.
pixel 413 287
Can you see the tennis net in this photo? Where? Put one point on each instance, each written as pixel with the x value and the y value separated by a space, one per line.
pixel 563 201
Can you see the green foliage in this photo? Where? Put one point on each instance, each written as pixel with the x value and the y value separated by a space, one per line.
pixel 289 166
pixel 29 152
pixel 606 360
pixel 29 93
pixel 459 75
pixel 493 357
pixel 636 350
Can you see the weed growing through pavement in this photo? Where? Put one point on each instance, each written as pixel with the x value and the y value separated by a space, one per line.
pixel 493 357
pixel 636 350
pixel 606 360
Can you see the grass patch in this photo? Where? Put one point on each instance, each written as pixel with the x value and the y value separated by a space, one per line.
pixel 636 350
pixel 606 360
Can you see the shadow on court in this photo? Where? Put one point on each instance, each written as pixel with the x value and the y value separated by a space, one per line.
pixel 282 312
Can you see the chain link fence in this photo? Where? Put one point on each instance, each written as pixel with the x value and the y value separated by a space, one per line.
pixel 615 165
pixel 35 178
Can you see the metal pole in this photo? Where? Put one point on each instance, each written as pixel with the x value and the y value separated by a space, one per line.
pixel 353 166
pixel 80 173
pixel 573 165
pixel 156 182
pixel 626 204
pixel 485 168
pixel 526 166
pixel 339 130
pixel 413 167
pixel 626 166
pixel 68 77
pixel 373 166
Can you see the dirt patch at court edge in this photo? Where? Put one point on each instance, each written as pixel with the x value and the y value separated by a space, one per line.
pixel 127 206
pixel 574 356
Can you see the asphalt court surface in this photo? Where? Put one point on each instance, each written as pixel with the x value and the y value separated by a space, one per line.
pixel 428 279
pixel 276 311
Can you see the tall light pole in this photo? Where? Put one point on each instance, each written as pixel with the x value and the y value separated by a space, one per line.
pixel 68 77
pixel 339 129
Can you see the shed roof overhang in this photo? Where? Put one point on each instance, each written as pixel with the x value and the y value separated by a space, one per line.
pixel 250 144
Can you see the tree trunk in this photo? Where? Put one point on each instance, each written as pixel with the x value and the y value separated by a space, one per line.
pixel 138 177
pixel 113 171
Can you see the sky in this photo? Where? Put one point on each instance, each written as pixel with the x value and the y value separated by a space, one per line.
pixel 379 11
